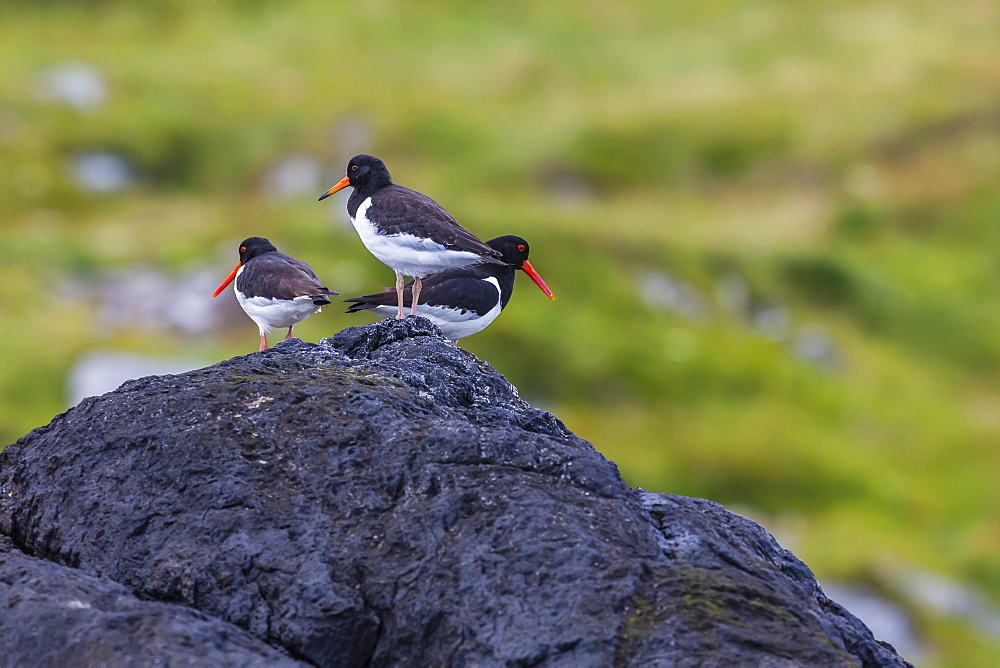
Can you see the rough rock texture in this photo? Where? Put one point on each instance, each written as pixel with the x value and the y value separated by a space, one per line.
pixel 52 615
pixel 385 498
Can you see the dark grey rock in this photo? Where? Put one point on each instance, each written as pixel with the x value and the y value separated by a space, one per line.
pixel 886 618
pixel 385 498
pixel 53 615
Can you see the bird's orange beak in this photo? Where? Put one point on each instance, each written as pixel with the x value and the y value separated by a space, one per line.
pixel 530 271
pixel 229 279
pixel 341 184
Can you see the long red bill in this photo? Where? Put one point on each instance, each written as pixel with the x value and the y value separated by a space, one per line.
pixel 341 184
pixel 229 279
pixel 530 271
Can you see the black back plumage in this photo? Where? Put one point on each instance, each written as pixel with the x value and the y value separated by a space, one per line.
pixel 273 275
pixel 398 210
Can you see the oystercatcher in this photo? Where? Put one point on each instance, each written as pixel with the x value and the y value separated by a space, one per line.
pixel 275 290
pixel 406 230
pixel 465 300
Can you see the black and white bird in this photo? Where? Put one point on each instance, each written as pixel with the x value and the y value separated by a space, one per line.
pixel 462 301
pixel 406 230
pixel 275 290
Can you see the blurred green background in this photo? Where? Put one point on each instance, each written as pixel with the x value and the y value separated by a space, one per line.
pixel 772 229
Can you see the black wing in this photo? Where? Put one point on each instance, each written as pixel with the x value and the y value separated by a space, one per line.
pixel 462 289
pixel 278 276
pixel 400 210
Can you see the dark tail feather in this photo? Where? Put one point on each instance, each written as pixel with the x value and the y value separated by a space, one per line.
pixel 321 299
pixel 373 301
pixel 359 305
pixel 491 260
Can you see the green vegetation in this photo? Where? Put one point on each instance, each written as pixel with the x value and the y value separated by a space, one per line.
pixel 836 162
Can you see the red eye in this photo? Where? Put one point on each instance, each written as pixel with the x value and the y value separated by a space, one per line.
pixel 521 247
pixel 243 249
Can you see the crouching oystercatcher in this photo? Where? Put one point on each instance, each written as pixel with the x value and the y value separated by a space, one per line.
pixel 462 301
pixel 406 230
pixel 275 290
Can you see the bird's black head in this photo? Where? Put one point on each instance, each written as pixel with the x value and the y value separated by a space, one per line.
pixel 367 170
pixel 249 249
pixel 254 246
pixel 365 173
pixel 514 250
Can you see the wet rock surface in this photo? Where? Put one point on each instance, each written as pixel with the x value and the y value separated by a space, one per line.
pixel 385 498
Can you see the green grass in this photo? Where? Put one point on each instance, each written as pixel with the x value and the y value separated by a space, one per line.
pixel 839 157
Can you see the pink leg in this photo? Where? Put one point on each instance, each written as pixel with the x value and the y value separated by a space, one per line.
pixel 263 343
pixel 399 296
pixel 417 284
pixel 289 335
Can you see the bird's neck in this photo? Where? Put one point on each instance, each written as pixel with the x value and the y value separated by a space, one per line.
pixel 375 182
pixel 354 202
pixel 369 188
pixel 505 277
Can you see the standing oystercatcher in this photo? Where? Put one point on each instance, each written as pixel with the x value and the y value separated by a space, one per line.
pixel 465 300
pixel 406 230
pixel 274 289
